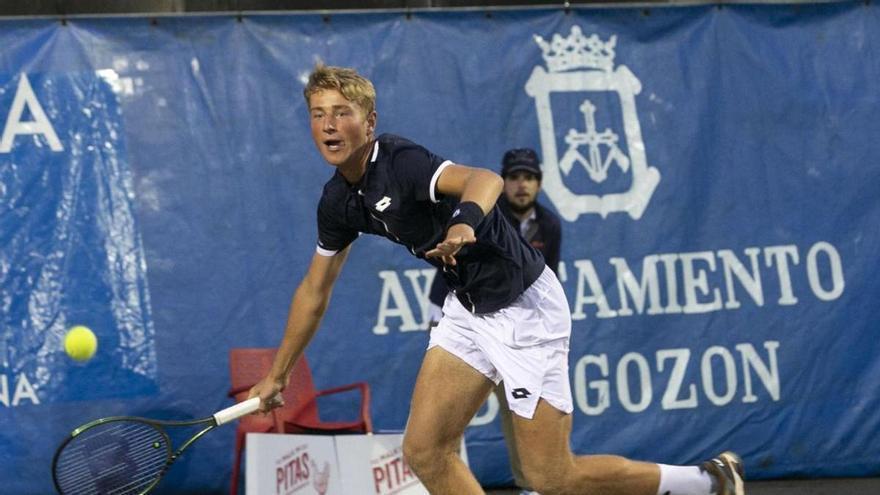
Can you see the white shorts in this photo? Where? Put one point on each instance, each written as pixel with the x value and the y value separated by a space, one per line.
pixel 524 344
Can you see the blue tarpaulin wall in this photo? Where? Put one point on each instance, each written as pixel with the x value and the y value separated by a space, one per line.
pixel 717 171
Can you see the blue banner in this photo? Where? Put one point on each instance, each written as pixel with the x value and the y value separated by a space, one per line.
pixel 71 251
pixel 715 170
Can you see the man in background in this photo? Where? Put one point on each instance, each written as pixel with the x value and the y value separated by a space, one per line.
pixel 521 171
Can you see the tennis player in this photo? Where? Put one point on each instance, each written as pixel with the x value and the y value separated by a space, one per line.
pixel 540 227
pixel 506 319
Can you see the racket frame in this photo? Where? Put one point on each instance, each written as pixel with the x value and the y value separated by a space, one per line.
pixel 219 418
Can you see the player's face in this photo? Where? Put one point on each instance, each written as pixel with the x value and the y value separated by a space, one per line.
pixel 341 129
pixel 521 190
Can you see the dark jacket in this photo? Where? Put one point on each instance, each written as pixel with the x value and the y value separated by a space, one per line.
pixel 548 237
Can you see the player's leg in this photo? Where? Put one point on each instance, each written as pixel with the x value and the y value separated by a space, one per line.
pixel 538 393
pixel 509 438
pixel 448 393
pixel 551 468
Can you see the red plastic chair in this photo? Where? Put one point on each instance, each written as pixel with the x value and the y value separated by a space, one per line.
pixel 300 411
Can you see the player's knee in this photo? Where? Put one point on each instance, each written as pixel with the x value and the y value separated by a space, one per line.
pixel 547 485
pixel 426 456
pixel 417 453
pixel 545 480
pixel 550 479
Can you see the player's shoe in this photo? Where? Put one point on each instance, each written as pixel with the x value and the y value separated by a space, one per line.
pixel 727 469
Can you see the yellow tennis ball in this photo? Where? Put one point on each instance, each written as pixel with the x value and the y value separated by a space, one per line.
pixel 80 343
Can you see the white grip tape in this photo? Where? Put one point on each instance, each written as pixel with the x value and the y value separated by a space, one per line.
pixel 234 412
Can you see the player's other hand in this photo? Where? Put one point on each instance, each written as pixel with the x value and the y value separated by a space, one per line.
pixel 269 392
pixel 457 237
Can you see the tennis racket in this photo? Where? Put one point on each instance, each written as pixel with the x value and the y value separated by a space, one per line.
pixel 125 455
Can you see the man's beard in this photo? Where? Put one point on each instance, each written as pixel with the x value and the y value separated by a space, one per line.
pixel 520 210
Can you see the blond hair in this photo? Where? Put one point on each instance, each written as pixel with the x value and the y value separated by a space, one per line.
pixel 353 86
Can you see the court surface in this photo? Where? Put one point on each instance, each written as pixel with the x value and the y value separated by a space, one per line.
pixel 848 486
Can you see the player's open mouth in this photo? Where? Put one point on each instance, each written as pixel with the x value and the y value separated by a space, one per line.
pixel 333 144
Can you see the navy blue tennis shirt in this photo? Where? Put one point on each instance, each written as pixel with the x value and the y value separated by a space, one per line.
pixel 397 198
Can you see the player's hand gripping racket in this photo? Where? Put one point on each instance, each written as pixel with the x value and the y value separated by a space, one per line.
pixel 124 455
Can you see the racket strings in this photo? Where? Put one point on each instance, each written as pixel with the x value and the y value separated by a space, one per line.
pixel 79 471
pixel 115 458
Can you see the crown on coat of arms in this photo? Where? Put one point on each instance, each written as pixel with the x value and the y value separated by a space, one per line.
pixel 577 51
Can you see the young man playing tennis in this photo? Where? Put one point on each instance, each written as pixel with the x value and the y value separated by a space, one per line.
pixel 508 318
pixel 540 227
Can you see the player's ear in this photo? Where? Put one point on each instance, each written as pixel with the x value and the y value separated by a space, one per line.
pixel 371 122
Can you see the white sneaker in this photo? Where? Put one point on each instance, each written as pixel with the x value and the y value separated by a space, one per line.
pixel 727 468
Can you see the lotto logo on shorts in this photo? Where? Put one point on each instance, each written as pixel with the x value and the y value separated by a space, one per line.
pixel 520 393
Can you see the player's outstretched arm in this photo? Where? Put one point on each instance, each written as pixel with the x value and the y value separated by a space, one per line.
pixel 471 185
pixel 306 310
pixel 479 185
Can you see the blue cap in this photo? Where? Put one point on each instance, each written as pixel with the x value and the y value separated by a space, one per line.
pixel 521 160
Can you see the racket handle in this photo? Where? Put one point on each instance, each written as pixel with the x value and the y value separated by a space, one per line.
pixel 234 412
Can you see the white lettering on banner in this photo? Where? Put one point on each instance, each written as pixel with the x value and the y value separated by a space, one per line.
pixel 644 379
pixel 587 273
pixel 637 289
pixel 593 389
pixel 672 396
pixel 673 283
pixel 601 388
pixel 23 391
pixel 690 273
pixel 24 96
pixel 695 279
pixel 779 255
pixel 834 265
pixel 394 303
pixel 750 281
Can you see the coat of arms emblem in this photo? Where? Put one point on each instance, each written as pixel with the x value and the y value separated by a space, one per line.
pixel 585 65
